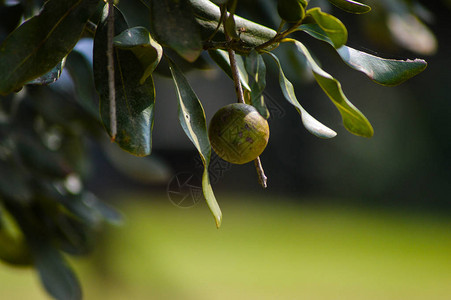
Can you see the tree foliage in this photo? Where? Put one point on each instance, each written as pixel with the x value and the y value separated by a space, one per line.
pixel 44 209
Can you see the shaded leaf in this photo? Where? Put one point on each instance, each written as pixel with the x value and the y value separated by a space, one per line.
pixel 353 120
pixel 310 123
pixel 351 6
pixel 256 68
pixel 221 58
pixel 332 26
pixel 139 41
pixel 51 76
pixel 381 70
pixel 134 101
pixel 192 119
pixel 40 43
pixel 173 25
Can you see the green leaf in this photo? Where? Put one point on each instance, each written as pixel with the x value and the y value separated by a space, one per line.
pixel 351 6
pixel 139 41
pixel 310 123
pixel 192 119
pixel 256 68
pixel 51 76
pixel 381 70
pixel 42 42
pixel 333 27
pixel 221 58
pixel 353 120
pixel 173 25
pixel 134 100
pixel 80 70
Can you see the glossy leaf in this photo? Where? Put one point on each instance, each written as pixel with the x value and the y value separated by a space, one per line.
pixel 351 6
pixel 256 69
pixel 139 41
pixel 221 58
pixel 381 70
pixel 310 123
pixel 192 119
pixel 173 25
pixel 353 120
pixel 332 26
pixel 40 43
pixel 134 101
pixel 51 76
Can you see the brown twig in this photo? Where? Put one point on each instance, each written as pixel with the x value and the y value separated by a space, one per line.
pixel 110 67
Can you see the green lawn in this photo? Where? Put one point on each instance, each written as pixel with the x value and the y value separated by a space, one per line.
pixel 264 250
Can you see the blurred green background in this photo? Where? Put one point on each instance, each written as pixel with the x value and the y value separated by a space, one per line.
pixel 348 218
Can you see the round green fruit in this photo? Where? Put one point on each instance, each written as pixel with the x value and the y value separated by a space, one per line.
pixel 291 11
pixel 238 133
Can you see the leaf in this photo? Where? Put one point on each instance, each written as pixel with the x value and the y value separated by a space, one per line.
pixel 139 41
pixel 221 58
pixel 310 123
pixel 192 120
pixel 256 68
pixel 353 120
pixel 51 76
pixel 42 42
pixel 80 71
pixel 351 6
pixel 332 27
pixel 381 70
pixel 134 100
pixel 173 25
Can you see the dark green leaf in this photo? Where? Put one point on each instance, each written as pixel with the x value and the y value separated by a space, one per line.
pixel 173 25
pixel 310 123
pixel 221 58
pixel 192 118
pixel 13 183
pixel 332 26
pixel 134 101
pixel 40 43
pixel 80 71
pixel 353 119
pixel 351 6
pixel 256 68
pixel 51 76
pixel 381 70
pixel 139 41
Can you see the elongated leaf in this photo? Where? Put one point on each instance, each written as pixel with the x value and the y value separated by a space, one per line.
pixel 173 25
pixel 256 68
pixel 351 6
pixel 332 26
pixel 40 43
pixel 192 119
pixel 381 70
pixel 221 58
pixel 134 100
pixel 310 123
pixel 139 41
pixel 51 76
pixel 353 120
pixel 80 71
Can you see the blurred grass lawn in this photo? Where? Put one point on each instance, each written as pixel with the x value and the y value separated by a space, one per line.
pixel 264 250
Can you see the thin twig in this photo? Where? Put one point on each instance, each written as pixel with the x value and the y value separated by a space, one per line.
pixel 239 92
pixel 110 67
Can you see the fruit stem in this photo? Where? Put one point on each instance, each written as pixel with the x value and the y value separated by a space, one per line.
pixel 261 173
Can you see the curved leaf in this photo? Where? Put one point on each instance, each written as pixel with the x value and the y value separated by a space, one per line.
pixel 354 121
pixel 221 58
pixel 256 68
pixel 134 100
pixel 351 6
pixel 332 26
pixel 192 119
pixel 381 70
pixel 310 123
pixel 173 25
pixel 40 43
pixel 51 76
